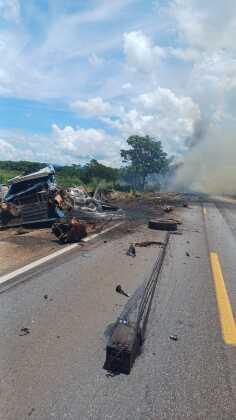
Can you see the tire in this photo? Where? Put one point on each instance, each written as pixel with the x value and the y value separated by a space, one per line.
pixel 162 225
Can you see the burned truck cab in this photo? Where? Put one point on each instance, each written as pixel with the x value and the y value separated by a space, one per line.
pixel 30 198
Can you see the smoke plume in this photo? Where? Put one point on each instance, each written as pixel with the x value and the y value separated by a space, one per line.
pixel 209 165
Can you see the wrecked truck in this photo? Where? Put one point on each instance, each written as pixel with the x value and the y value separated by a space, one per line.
pixel 31 199
pixel 36 198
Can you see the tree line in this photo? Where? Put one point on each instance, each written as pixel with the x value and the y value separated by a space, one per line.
pixel 144 156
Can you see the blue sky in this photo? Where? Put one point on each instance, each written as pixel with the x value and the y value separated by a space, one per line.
pixel 78 77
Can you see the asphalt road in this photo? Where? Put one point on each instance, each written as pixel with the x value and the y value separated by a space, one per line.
pixel 55 371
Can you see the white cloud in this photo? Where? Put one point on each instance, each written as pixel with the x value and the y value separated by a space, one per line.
pixel 92 107
pixel 127 86
pixel 10 10
pixel 8 152
pixel 85 144
pixel 161 114
pixel 62 146
pixel 141 54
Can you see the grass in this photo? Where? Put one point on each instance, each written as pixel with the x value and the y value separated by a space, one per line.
pixel 6 174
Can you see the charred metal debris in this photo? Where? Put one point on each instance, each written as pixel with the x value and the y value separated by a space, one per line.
pixel 36 198
pixel 125 342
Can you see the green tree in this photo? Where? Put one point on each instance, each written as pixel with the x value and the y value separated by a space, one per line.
pixel 145 157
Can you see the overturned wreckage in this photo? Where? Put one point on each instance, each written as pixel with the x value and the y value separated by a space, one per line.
pixel 36 198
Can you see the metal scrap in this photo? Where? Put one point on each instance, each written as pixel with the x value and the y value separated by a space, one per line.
pixel 121 291
pixel 73 231
pixel 36 197
pixel 131 251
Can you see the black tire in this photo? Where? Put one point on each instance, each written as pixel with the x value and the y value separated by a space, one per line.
pixel 162 225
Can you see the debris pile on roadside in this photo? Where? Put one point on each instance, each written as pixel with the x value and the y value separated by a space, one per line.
pixel 36 198
pixel 70 232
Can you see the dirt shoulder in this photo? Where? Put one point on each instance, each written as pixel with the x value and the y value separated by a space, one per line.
pixel 22 246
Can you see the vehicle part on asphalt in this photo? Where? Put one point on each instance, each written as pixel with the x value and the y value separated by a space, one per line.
pixel 168 209
pixel 148 243
pixel 121 291
pixel 70 232
pixel 131 251
pixel 126 341
pixel 173 337
pixel 24 331
pixel 162 225
pixel 122 349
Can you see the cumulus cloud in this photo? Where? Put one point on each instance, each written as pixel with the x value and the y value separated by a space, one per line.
pixel 62 146
pixel 85 144
pixel 141 54
pixel 161 114
pixel 92 107
pixel 7 150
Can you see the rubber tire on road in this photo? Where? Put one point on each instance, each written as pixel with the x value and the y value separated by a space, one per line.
pixel 162 225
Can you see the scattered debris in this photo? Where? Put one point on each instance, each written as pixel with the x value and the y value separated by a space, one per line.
pixel 149 243
pixel 36 197
pixel 162 225
pixel 45 297
pixel 127 337
pixel 131 251
pixel 121 291
pixel 187 254
pixel 168 209
pixel 24 331
pixel 73 231
pixel 173 337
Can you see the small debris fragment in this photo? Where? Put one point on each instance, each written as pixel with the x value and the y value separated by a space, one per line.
pixel 131 251
pixel 24 331
pixel 121 291
pixel 168 209
pixel 104 242
pixel 173 337
pixel 187 254
pixel 45 297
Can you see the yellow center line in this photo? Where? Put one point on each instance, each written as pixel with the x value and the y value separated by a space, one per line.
pixel 228 325
pixel 204 211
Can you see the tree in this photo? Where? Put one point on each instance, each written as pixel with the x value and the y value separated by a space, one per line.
pixel 145 157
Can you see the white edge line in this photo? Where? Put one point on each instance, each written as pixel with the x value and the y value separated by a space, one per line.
pixel 41 261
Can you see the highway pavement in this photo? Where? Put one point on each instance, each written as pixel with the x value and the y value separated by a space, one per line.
pixel 54 370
